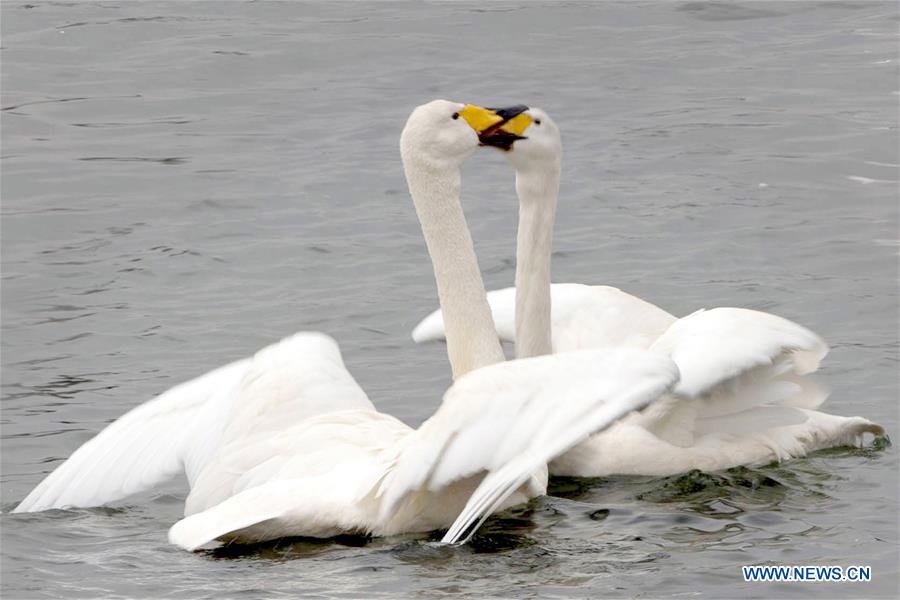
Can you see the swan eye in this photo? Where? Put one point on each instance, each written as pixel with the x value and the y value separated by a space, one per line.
pixel 537 121
pixel 455 116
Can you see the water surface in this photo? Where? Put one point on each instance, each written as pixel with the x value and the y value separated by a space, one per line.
pixel 186 182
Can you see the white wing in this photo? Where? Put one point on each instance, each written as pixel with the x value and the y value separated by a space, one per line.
pixel 582 316
pixel 743 374
pixel 713 346
pixel 741 370
pixel 146 446
pixel 288 383
pixel 745 398
pixel 299 377
pixel 184 427
pixel 510 419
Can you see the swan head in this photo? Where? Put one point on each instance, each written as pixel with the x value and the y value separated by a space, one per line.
pixel 443 134
pixel 528 136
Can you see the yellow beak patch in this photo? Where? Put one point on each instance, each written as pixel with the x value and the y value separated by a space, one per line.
pixel 518 124
pixel 480 118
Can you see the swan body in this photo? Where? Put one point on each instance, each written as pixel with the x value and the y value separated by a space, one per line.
pixel 286 443
pixel 745 396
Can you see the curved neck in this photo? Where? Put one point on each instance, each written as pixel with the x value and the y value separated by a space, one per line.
pixel 472 340
pixel 538 190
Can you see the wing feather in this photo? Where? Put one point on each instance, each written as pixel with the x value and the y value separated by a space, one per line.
pixel 138 450
pixel 508 420
pixel 184 427
pixel 714 346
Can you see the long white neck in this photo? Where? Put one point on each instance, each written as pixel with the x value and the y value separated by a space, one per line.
pixel 472 340
pixel 538 189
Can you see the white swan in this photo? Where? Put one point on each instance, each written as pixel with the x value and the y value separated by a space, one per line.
pixel 744 397
pixel 286 443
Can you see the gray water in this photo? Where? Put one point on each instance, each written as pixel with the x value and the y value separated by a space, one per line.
pixel 184 183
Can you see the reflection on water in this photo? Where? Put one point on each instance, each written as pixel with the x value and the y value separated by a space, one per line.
pixel 186 182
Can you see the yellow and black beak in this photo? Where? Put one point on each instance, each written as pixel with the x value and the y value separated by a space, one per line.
pixel 497 127
pixel 505 133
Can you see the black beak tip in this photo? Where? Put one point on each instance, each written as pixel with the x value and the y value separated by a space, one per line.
pixel 509 112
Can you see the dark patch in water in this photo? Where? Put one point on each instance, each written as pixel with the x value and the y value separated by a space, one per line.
pixel 498 541
pixel 697 485
pixel 287 548
pixel 573 487
pixel 877 446
pixel 599 515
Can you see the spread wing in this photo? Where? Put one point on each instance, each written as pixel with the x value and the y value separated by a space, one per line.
pixel 713 346
pixel 183 428
pixel 144 447
pixel 510 419
pixel 742 372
